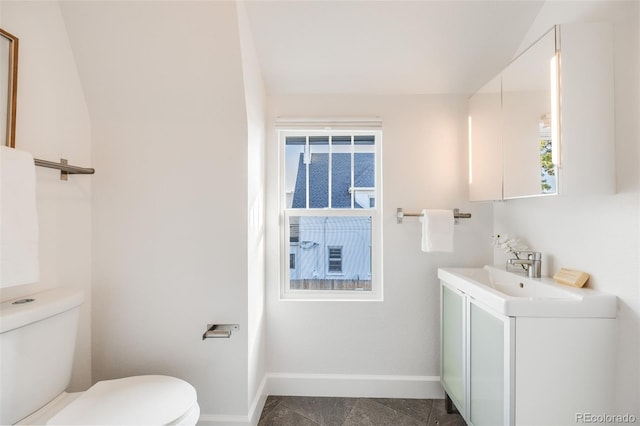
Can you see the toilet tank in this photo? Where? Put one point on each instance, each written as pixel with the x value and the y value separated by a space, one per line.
pixel 37 343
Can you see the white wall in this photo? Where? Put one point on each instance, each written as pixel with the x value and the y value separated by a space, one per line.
pixel 255 98
pixel 53 123
pixel 165 90
pixel 387 348
pixel 597 233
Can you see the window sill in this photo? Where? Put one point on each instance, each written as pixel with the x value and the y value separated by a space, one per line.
pixel 330 296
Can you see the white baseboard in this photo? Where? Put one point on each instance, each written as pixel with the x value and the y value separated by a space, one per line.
pixel 215 420
pixel 251 419
pixel 258 402
pixel 354 385
pixel 339 385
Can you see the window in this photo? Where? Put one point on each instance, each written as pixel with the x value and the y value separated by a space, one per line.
pixel 330 203
pixel 335 260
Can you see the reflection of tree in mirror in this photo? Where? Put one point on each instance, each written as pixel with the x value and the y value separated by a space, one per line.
pixel 546 164
pixel 547 168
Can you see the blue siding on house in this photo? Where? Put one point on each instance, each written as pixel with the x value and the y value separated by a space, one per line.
pixel 318 234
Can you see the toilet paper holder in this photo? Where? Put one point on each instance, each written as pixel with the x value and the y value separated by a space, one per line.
pixel 219 330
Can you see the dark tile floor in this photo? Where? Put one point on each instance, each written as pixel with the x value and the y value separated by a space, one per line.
pixel 329 411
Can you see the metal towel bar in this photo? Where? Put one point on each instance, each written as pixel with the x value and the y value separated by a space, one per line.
pixel 456 214
pixel 65 169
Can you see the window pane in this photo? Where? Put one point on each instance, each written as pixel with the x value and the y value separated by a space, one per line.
pixel 319 172
pixel 295 173
pixel 364 139
pixel 364 174
pixel 341 172
pixel 331 253
pixel 347 181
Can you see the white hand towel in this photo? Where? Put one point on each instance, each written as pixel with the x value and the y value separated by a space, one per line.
pixel 18 219
pixel 437 230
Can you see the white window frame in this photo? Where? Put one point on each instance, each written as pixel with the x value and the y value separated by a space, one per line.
pixel 375 213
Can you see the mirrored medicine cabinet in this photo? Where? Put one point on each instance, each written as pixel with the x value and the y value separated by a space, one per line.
pixel 545 125
pixel 513 123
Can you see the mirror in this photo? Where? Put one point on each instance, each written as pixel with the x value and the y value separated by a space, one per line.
pixel 8 86
pixel 513 128
pixel 529 118
pixel 485 142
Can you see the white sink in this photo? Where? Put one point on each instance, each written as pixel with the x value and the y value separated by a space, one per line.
pixel 514 294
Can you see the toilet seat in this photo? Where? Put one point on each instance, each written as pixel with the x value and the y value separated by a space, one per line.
pixel 138 400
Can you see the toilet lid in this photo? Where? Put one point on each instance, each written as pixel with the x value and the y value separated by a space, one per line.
pixel 138 400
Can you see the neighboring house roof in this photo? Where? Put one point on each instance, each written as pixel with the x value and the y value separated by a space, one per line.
pixel 364 177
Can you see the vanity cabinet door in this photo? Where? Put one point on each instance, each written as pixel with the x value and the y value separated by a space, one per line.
pixel 453 345
pixel 490 367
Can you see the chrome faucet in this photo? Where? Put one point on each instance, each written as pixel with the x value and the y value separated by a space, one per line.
pixel 532 264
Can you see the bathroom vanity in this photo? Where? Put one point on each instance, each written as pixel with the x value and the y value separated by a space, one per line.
pixel 525 351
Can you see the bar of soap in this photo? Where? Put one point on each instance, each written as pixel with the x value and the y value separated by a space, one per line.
pixel 571 277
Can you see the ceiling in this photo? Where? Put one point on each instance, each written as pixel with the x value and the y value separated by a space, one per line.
pixel 386 47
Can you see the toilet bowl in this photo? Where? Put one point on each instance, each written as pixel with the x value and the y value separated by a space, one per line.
pixel 37 340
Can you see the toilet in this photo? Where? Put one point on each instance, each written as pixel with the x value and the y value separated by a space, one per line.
pixel 37 343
